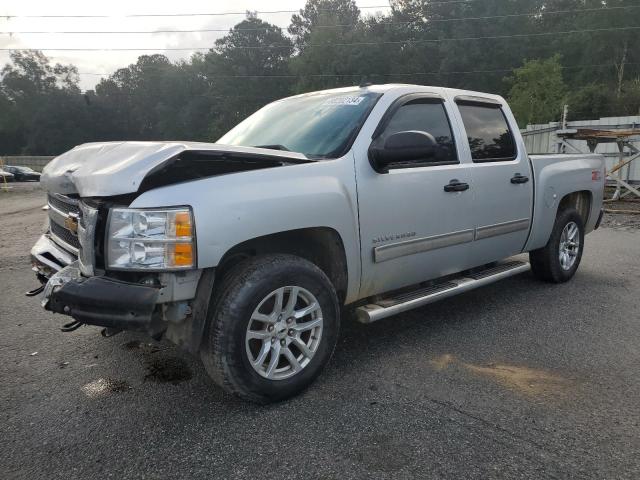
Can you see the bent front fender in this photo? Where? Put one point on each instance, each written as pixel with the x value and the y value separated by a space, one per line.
pixel 236 208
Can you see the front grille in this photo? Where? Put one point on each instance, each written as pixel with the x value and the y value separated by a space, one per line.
pixel 79 241
pixel 65 204
pixel 65 235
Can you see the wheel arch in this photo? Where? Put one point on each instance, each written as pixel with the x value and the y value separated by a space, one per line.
pixel 322 246
pixel 546 214
pixel 580 200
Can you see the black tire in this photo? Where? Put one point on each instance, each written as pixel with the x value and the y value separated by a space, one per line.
pixel 545 262
pixel 243 289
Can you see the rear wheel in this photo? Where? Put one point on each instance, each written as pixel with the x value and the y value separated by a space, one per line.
pixel 559 260
pixel 273 328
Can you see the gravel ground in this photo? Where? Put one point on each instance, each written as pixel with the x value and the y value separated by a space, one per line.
pixel 517 380
pixel 629 222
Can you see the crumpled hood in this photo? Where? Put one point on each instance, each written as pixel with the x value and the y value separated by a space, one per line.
pixel 118 168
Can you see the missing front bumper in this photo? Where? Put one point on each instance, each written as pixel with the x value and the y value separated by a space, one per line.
pixel 102 301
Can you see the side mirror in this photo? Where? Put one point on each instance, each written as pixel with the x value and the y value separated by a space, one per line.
pixel 402 147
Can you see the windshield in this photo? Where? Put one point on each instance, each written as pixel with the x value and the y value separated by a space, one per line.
pixel 319 126
pixel 23 169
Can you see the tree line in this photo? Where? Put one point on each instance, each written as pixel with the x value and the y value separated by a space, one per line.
pixel 541 54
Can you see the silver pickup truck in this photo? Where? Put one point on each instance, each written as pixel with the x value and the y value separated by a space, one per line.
pixel 373 200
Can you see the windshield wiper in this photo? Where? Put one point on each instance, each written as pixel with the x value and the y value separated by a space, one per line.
pixel 273 147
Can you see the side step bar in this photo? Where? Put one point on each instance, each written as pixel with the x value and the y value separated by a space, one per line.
pixel 408 301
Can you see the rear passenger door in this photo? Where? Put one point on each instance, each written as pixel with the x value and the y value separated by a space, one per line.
pixel 501 175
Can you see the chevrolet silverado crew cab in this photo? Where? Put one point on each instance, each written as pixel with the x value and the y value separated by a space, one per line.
pixel 373 200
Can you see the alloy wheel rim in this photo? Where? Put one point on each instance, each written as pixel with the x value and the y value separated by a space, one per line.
pixel 284 333
pixel 569 245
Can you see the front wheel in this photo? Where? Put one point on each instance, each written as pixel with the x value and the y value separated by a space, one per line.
pixel 559 260
pixel 273 329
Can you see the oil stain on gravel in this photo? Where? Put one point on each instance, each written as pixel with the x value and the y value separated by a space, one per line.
pixel 167 370
pixel 160 368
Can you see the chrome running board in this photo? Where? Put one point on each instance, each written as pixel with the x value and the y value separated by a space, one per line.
pixel 388 307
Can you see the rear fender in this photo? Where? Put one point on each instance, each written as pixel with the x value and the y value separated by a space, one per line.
pixel 556 178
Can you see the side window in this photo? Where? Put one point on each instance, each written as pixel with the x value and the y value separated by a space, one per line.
pixel 489 135
pixel 425 116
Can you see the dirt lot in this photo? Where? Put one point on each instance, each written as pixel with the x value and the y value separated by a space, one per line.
pixel 623 220
pixel 516 380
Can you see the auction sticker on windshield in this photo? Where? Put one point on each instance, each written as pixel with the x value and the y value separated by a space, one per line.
pixel 343 101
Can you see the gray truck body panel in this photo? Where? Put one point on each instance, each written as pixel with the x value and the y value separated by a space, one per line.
pixel 398 229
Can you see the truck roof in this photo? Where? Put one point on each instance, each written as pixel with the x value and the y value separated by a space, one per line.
pixel 401 88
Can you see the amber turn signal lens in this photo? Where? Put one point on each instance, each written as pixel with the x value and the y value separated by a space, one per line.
pixel 183 224
pixel 181 255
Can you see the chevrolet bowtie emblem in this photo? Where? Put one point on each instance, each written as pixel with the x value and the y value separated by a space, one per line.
pixel 71 223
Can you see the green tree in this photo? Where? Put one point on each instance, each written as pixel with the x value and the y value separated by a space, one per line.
pixel 538 92
pixel 322 14
pixel 336 47
pixel 629 101
pixel 591 101
pixel 246 69
pixel 42 110
pixel 588 44
pixel 154 99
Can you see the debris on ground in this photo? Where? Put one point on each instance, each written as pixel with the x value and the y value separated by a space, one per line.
pixel 104 386
pixel 145 348
pixel 622 214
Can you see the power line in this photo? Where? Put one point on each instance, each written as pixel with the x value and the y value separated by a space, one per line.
pixel 218 14
pixel 326 45
pixel 399 74
pixel 204 14
pixel 437 20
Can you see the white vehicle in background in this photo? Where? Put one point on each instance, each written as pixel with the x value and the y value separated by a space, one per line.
pixel 377 199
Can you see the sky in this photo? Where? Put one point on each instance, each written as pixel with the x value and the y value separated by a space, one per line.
pixel 92 64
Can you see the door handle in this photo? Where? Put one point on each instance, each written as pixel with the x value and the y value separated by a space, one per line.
pixel 519 179
pixel 456 186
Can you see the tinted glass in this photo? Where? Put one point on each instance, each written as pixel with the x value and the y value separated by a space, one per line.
pixel 425 117
pixel 319 125
pixel 488 132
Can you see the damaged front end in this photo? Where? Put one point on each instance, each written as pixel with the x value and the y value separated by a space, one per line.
pixel 100 268
pixel 65 260
pixel 70 262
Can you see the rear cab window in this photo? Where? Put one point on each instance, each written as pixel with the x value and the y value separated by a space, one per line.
pixel 488 131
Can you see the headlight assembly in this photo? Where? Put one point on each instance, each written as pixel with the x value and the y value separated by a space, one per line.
pixel 158 239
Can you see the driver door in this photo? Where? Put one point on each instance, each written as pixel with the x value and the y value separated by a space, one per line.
pixel 413 228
